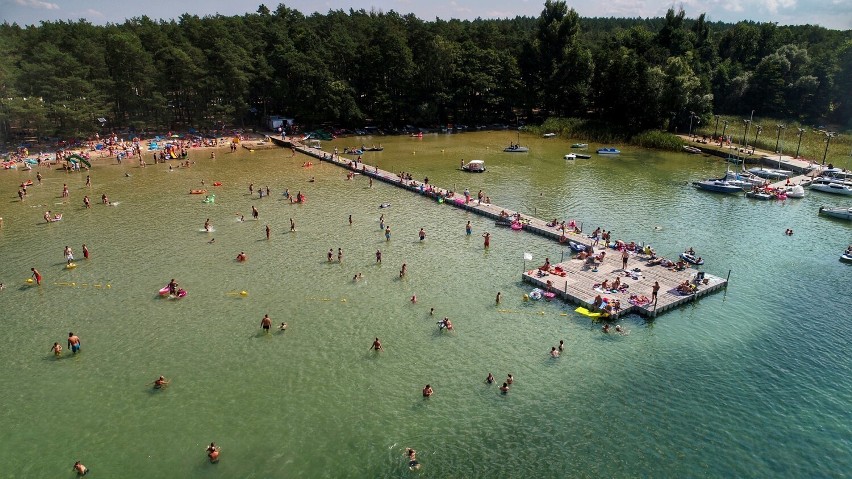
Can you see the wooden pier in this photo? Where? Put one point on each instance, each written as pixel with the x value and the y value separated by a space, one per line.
pixel 579 280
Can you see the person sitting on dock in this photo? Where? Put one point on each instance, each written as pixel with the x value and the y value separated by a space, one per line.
pixel 546 266
pixel 598 301
pixel 617 283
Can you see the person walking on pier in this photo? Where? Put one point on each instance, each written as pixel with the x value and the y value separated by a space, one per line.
pixel 624 257
pixel 654 291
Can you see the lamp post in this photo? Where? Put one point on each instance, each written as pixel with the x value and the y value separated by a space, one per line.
pixel 716 130
pixel 756 133
pixel 828 136
pixel 692 116
pixel 779 127
pixel 801 130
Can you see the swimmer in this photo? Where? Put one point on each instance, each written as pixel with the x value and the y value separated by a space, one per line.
pixel 36 276
pixel 283 327
pixel 422 234
pixel 80 469
pixel 498 297
pixel 213 452
pixel 207 226
pixel 431 311
pixel 427 391
pixel 242 256
pixel 510 379
pixel 356 277
pixel 160 382
pixel 605 328
pixel 330 254
pixel 267 231
pixel 339 255
pixel 266 323
pixel 504 388
pixel 85 251
pixel 412 459
pixel 489 379
pixel 377 345
pixel 73 342
pixel 212 240
pixel 378 256
pixel 403 270
pixel 561 345
pixel 554 353
pixel 620 330
pixel 57 349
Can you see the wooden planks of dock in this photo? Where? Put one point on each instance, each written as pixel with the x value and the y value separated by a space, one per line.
pixel 579 282
pixel 577 285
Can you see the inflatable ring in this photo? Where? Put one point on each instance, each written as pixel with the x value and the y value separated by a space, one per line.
pixel 535 295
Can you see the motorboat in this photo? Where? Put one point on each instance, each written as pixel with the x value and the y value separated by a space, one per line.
pixel 474 166
pixel 608 151
pixel 837 212
pixel 832 187
pixel 570 156
pixel 582 156
pixel 548 135
pixel 770 173
pixel 795 191
pixel 691 149
pixel 760 195
pixel 690 258
pixel 580 145
pixel 718 186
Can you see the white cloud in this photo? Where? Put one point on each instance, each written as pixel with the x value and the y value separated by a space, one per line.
pixel 773 5
pixel 37 4
pixel 94 13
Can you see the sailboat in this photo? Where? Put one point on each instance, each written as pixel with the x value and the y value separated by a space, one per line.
pixel 516 147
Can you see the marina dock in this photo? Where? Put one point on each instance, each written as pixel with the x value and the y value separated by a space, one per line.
pixel 577 284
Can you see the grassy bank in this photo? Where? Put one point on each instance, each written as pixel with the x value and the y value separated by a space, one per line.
pixel 576 129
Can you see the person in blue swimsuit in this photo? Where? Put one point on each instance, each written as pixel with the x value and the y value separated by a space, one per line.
pixel 73 342
pixel 468 229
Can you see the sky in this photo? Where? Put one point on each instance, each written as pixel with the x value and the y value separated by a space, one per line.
pixel 834 14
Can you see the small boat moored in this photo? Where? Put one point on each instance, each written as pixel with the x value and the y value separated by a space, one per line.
pixel 608 151
pixel 474 166
pixel 548 135
pixel 692 149
pixel 570 156
pixel 580 145
pixel 838 212
pixel 718 186
pixel 690 258
pixel 515 148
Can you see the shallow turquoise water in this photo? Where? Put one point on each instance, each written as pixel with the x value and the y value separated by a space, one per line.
pixel 750 382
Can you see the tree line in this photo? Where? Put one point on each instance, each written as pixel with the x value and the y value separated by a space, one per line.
pixel 358 67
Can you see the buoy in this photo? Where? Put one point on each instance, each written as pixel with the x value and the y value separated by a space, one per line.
pixel 109 286
pixel 243 293
pixel 343 300
pixel 526 297
pixel 29 280
pixel 251 151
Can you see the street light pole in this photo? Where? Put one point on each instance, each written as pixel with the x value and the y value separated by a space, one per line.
pixel 801 130
pixel 779 127
pixel 691 117
pixel 756 133
pixel 828 136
